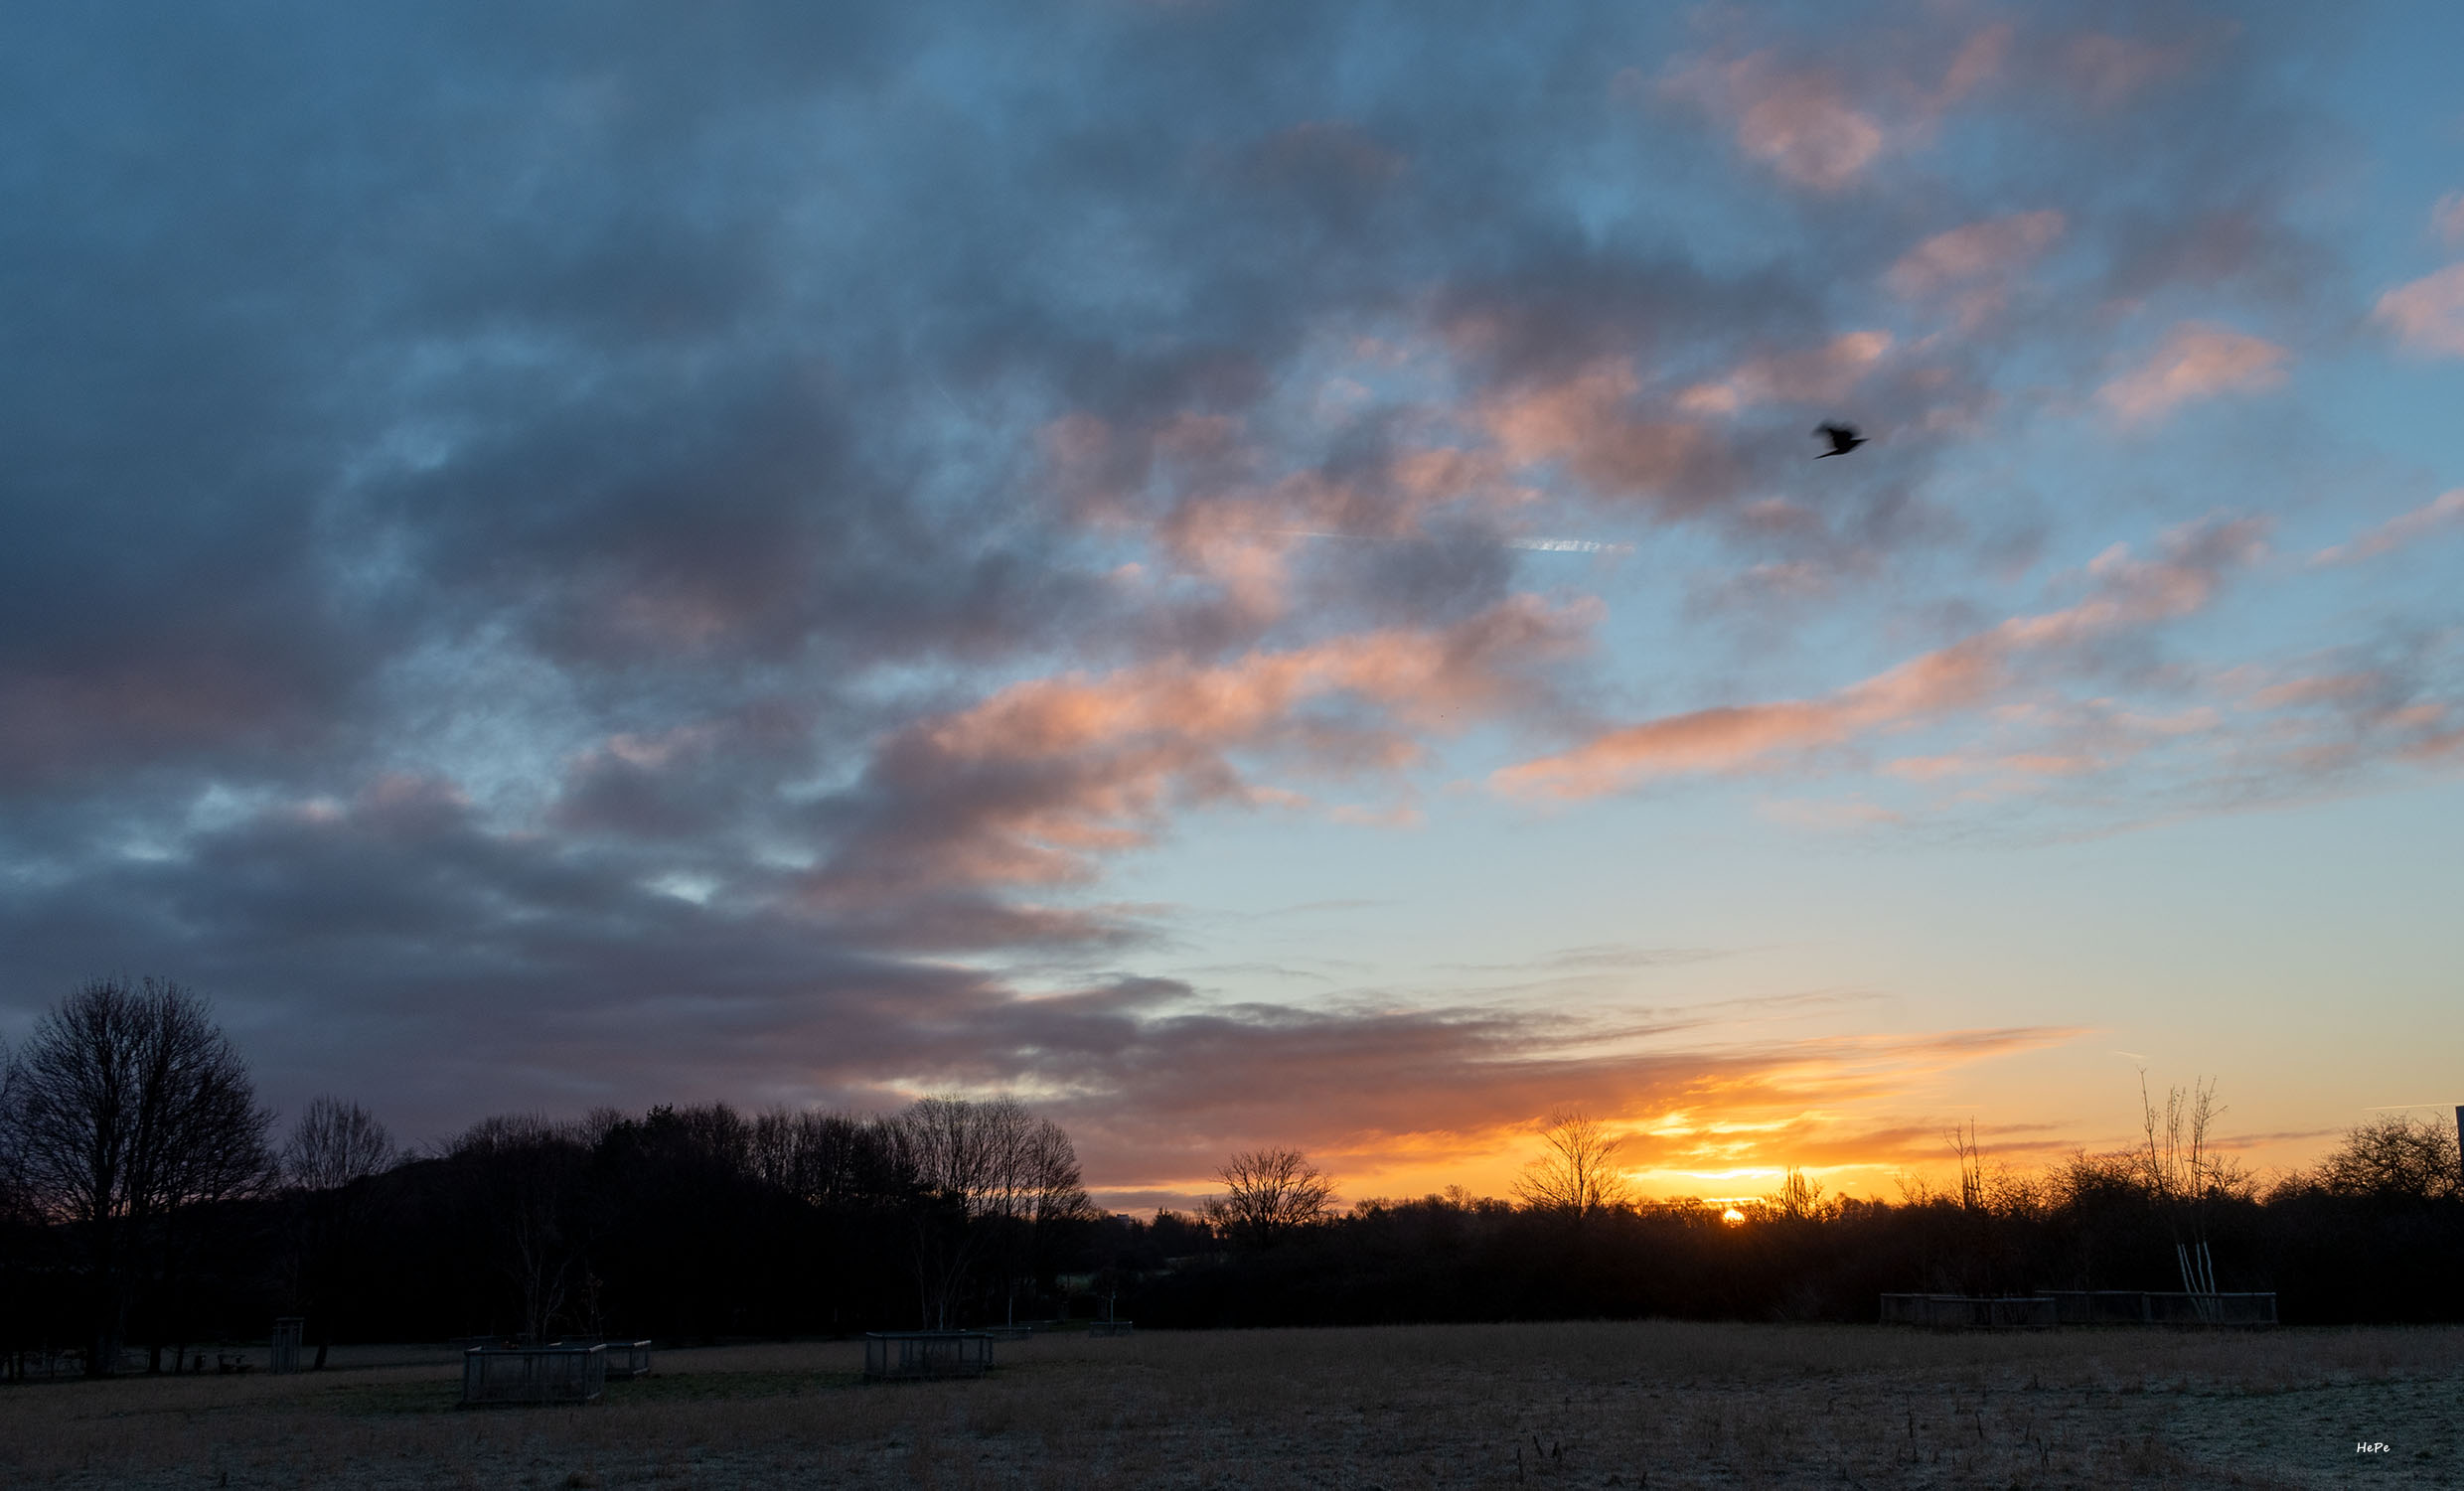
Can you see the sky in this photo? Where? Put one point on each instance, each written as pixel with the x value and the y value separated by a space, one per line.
pixel 1251 574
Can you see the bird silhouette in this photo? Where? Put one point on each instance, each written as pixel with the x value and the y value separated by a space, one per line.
pixel 1843 437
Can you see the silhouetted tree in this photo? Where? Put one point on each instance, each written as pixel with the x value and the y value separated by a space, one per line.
pixel 131 1105
pixel 2184 1173
pixel 1577 1174
pixel 334 1147
pixel 2397 1159
pixel 990 1176
pixel 528 1175
pixel 335 1144
pixel 1267 1195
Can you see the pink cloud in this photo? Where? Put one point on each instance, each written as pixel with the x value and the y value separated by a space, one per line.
pixel 2319 688
pixel 1810 375
pixel 2441 513
pixel 1026 786
pixel 2111 70
pixel 1796 122
pixel 1589 421
pixel 2196 360
pixel 2447 219
pixel 1980 251
pixel 2126 593
pixel 1807 125
pixel 2427 316
pixel 2020 763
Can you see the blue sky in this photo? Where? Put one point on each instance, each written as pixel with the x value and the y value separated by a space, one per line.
pixel 812 558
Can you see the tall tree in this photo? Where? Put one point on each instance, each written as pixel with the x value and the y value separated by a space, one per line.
pixel 1267 1195
pixel 1577 1172
pixel 524 1176
pixel 131 1105
pixel 988 1173
pixel 335 1146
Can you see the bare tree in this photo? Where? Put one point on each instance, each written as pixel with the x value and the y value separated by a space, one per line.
pixel 530 1173
pixel 2396 1159
pixel 334 1145
pixel 989 1174
pixel 1267 1195
pixel 2184 1175
pixel 1971 1158
pixel 131 1105
pixel 1577 1172
pixel 1798 1199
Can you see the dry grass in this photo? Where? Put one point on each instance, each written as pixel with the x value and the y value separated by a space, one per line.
pixel 1654 1404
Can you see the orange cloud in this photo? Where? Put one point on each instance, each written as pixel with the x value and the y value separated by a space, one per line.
pixel 2427 316
pixel 2127 593
pixel 2196 360
pixel 1410 1101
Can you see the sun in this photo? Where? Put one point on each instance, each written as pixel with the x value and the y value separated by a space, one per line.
pixel 1732 1216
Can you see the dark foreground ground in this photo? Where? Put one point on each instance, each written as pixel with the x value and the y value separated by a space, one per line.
pixel 1653 1404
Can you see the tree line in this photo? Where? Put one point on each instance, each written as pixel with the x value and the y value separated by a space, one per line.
pixel 149 1210
pixel 147 1205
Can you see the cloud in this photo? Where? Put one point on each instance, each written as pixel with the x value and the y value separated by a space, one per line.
pixel 2427 315
pixel 2435 516
pixel 1810 125
pixel 1030 785
pixel 2111 70
pixel 1979 253
pixel 1817 375
pixel 1589 421
pixel 1431 1090
pixel 1798 121
pixel 2447 220
pixel 2125 594
pixel 2195 362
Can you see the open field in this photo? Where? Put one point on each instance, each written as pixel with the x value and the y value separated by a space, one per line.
pixel 1652 1404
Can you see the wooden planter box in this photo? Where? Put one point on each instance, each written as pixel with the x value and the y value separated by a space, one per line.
pixel 624 1359
pixel 1969 1312
pixel 2158 1307
pixel 533 1374
pixel 892 1356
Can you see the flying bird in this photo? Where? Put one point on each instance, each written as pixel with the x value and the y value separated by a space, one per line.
pixel 1843 437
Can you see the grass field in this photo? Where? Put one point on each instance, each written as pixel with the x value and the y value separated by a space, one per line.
pixel 1642 1405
